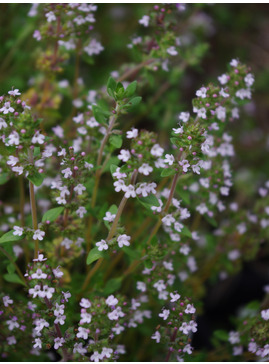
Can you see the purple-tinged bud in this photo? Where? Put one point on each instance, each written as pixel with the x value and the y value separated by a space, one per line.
pixel 40 170
pixel 140 156
pixel 83 154
pixel 114 112
pixel 189 137
pixel 32 147
pixel 18 101
pixel 181 149
pixel 1 98
pixel 23 131
pixel 76 168
pixel 236 71
pixel 236 83
pixel 72 158
pixel 156 7
pixel 162 10
pixel 16 113
pixel 132 151
pixel 47 222
pixel 193 153
pixel 215 95
pixel 140 142
pixel 207 104
pixel 181 304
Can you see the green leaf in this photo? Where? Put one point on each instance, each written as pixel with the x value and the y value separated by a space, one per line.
pixel 52 214
pixel 116 141
pixel 36 178
pixel 211 221
pixel 221 335
pixel 130 90
pixel 168 172
pixel 148 263
pixel 113 160
pixel 3 178
pixel 113 168
pixel 99 114
pixel 13 278
pixel 150 200
pixel 112 285
pixel 36 151
pixel 174 141
pixel 186 232
pixel 111 87
pixel 134 101
pixel 94 255
pixel 134 254
pixel 9 237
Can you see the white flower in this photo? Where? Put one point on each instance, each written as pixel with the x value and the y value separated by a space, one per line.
pixel 169 159
pixel 111 300
pixel 93 47
pixel 118 174
pixel 201 93
pixel 50 16
pixel 7 108
pixel 249 79
pixel 133 133
pixel 165 314
pixel 83 333
pixel 234 63
pixel 85 303
pixel 172 51
pixel 221 113
pixel 39 274
pixel 123 240
pixel 14 92
pixel 188 349
pixel 38 234
pixel 144 21
pixel 67 172
pixel 124 155
pixel 60 319
pixel 184 116
pixel 12 161
pixel 159 285
pixel 156 336
pixel 130 191
pixel 81 211
pixel 109 217
pixel 168 220
pixel 58 342
pixel 201 113
pixel 38 138
pixel 174 297
pixel 78 119
pixel 78 348
pixel 106 352
pixel 190 308
pixel 265 314
pixel 37 343
pixel 223 79
pixel 178 130
pixel 119 185
pixel 57 272
pixel 3 124
pixel 234 337
pixel 102 245
pixel 156 150
pixel 17 230
pixel 7 301
pixel 13 139
pixel 223 93
pixel 141 286
pixel 145 169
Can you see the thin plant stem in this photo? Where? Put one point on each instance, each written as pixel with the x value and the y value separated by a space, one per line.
pixel 34 214
pixel 22 215
pixel 97 178
pixel 133 266
pixel 15 265
pixel 131 72
pixel 110 234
